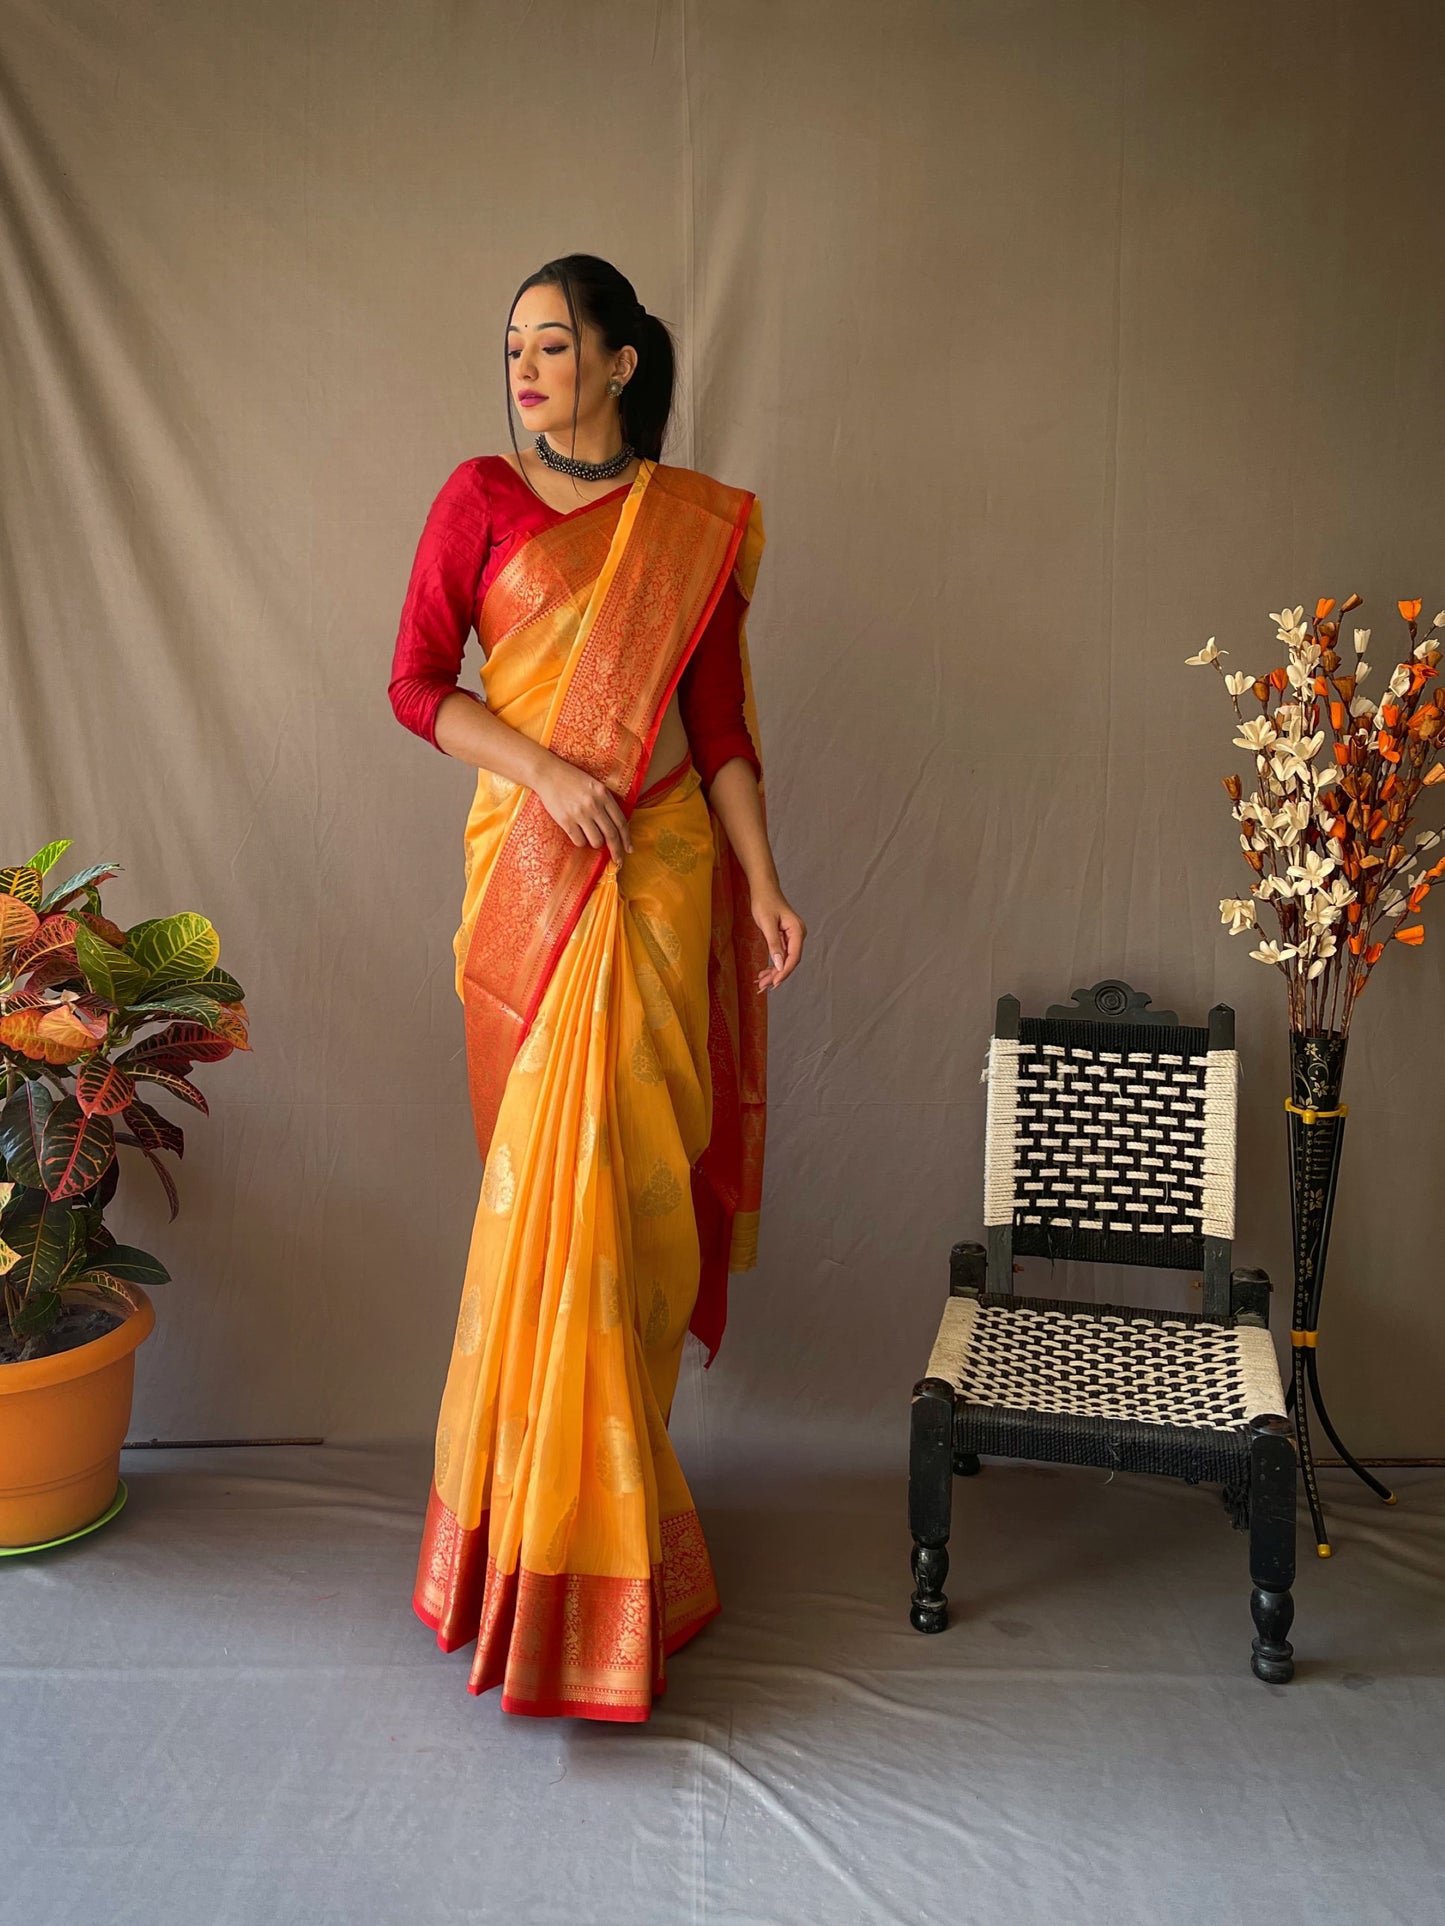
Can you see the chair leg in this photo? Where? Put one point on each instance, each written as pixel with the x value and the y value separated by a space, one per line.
pixel 1272 1480
pixel 930 1499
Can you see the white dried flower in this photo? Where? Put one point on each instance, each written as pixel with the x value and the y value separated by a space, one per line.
pixel 1256 735
pixel 1295 760
pixel 1237 684
pixel 1314 870
pixel 1293 819
pixel 1274 952
pixel 1362 641
pixel 1205 656
pixel 1238 912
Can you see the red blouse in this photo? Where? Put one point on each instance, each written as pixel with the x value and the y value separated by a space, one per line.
pixel 483 513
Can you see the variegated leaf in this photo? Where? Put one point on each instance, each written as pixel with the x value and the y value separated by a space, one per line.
pixel 75 1150
pixel 48 857
pixel 18 922
pixel 22 1123
pixel 102 1088
pixel 75 885
pixel 177 1086
pixel 55 932
pixel 175 949
pixel 23 883
pixel 152 1130
pixel 177 1047
pixel 108 970
pixel 57 1035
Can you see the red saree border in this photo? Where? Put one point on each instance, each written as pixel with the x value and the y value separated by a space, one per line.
pixel 566 1644
pixel 540 878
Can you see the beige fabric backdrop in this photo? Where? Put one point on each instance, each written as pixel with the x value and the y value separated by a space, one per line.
pixel 1054 337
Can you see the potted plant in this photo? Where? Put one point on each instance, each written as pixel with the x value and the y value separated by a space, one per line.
pixel 89 1014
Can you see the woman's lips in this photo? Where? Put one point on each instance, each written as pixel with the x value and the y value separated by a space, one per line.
pixel 529 400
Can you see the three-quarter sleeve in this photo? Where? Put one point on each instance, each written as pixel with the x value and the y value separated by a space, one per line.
pixel 440 607
pixel 710 692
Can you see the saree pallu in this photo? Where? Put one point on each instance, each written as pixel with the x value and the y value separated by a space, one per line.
pixel 616 1070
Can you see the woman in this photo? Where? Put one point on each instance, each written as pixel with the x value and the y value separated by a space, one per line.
pixel 622 923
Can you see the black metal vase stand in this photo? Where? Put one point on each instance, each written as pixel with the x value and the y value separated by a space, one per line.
pixel 1316 1120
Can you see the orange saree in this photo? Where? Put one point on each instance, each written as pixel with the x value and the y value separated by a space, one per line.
pixel 616 1064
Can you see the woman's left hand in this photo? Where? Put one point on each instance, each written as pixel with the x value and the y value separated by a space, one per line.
pixel 783 932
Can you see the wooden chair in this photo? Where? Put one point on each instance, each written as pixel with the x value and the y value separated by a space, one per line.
pixel 1110 1138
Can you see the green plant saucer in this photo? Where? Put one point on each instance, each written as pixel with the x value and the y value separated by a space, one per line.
pixel 14 1551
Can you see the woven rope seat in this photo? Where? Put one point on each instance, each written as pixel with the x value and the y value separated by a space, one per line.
pixel 1089 1384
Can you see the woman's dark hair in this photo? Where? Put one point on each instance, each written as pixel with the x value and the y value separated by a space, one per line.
pixel 606 299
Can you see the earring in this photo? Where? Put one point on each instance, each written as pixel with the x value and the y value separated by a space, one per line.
pixel 614 387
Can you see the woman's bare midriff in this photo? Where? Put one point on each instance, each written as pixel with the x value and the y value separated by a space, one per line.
pixel 670 747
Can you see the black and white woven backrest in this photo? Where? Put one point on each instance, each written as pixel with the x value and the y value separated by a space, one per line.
pixel 1111 1142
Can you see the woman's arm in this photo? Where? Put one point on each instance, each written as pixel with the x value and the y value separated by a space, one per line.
pixel 734 795
pixel 436 619
pixel 437 614
pixel 585 807
pixel 710 695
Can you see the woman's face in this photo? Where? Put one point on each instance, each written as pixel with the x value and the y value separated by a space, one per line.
pixel 542 361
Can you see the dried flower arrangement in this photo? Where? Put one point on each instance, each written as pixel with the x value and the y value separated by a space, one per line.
pixel 1338 779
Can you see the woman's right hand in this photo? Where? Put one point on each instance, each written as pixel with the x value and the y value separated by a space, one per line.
pixel 586 808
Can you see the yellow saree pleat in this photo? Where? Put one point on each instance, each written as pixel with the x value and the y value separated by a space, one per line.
pixel 580 1280
pixel 561 1532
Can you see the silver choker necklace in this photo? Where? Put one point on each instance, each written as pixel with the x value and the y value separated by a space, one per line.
pixel 584 470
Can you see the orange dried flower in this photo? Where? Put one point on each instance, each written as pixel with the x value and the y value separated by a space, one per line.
pixel 1415 935
pixel 1417 897
pixel 1278 679
pixel 1409 609
pixel 1357 943
pixel 1233 787
pixel 1323 607
pixel 1436 774
pixel 1374 953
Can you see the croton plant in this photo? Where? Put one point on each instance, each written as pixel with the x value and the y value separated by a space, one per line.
pixel 91 1013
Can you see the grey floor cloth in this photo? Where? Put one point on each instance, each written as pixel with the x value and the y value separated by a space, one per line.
pixel 220 1711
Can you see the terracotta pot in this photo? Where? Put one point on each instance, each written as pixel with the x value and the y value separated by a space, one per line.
pixel 63 1420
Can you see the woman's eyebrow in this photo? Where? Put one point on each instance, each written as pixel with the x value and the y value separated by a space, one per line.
pixel 514 329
